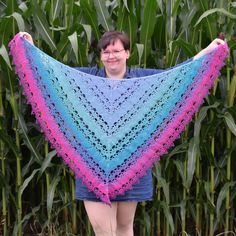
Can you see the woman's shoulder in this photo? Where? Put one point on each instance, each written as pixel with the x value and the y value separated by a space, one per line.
pixel 92 71
pixel 140 72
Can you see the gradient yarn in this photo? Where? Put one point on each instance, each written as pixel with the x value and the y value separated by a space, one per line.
pixel 109 131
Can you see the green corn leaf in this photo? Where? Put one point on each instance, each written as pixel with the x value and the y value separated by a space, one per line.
pixel 171 20
pixel 88 31
pixel 183 210
pixel 173 54
pixel 187 15
pixel 27 181
pixel 147 221
pixel 188 48
pixel 230 122
pixel 58 28
pixel 26 169
pixel 4 181
pixel 207 188
pixel 9 141
pixel 19 19
pixel 175 7
pixel 11 6
pixel 42 25
pixel 122 16
pixel 140 48
pixel 178 149
pixel 62 45
pixel 103 14
pixel 222 196
pixel 215 10
pixel 201 116
pixel 232 44
pixel 23 7
pixel 33 212
pixel 74 44
pixel 83 57
pixel 3 4
pixel 180 167
pixel 193 151
pixel 91 15
pixel 126 5
pixel 159 34
pixel 47 161
pixel 4 54
pixel 232 91
pixel 209 21
pixel 161 5
pixel 69 14
pixel 51 192
pixel 127 22
pixel 148 25
pixel 56 6
pixel 165 186
pixel 27 139
pixel 168 215
pixel 157 169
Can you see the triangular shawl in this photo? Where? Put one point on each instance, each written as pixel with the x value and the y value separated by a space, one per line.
pixel 108 131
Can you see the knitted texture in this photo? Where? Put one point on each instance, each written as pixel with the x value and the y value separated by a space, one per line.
pixel 109 131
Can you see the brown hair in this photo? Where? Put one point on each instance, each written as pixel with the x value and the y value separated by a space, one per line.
pixel 111 37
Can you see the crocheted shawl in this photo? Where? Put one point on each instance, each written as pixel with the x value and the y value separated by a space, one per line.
pixel 108 131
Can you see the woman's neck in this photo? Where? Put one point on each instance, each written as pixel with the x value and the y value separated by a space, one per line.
pixel 113 75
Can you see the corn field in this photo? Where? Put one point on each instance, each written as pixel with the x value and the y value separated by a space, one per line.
pixel 195 183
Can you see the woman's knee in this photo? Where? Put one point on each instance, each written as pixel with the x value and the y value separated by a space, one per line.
pixel 125 218
pixel 101 229
pixel 103 226
pixel 125 227
pixel 102 218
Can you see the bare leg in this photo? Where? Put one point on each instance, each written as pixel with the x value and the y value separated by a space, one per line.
pixel 125 218
pixel 102 217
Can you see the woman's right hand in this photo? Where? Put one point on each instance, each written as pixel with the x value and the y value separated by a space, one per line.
pixel 27 36
pixel 213 45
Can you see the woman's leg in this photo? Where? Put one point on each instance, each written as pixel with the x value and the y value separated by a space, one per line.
pixel 102 217
pixel 125 218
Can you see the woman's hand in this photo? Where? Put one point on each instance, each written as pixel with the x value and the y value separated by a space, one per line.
pixel 27 36
pixel 214 44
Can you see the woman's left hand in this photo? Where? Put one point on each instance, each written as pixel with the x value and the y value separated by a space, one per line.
pixel 27 36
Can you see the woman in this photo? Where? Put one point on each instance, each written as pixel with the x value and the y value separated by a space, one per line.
pixel 118 218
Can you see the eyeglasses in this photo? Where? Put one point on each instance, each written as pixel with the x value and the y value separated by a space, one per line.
pixel 115 53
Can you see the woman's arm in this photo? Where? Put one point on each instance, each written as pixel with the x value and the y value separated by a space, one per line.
pixel 214 44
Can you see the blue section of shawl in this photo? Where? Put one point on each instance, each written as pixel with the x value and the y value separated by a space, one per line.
pixel 111 93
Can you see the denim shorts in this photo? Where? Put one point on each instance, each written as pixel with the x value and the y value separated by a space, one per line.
pixel 141 191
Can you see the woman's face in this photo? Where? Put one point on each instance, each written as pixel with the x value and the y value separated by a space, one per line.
pixel 114 58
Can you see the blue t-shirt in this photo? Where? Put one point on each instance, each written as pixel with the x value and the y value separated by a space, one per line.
pixel 130 72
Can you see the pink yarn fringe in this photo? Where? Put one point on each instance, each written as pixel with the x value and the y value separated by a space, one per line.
pixel 56 138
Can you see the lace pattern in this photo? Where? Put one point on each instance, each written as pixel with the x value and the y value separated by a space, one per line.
pixel 109 132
